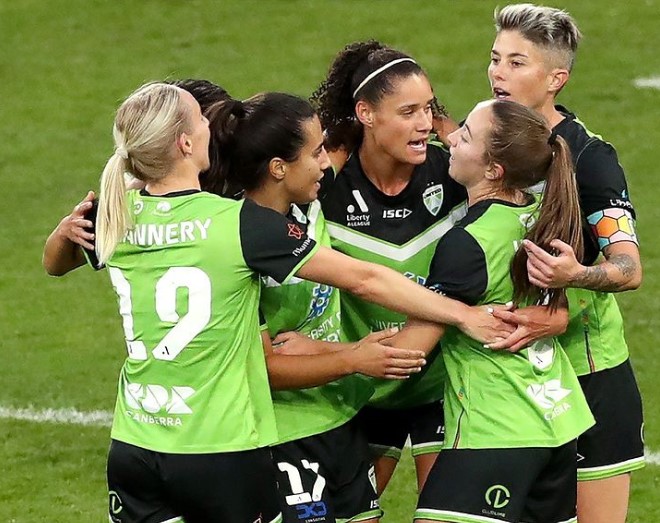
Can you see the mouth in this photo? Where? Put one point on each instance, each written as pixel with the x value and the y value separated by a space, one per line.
pixel 500 94
pixel 418 145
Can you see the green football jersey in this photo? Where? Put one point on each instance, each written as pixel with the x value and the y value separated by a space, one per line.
pixel 401 233
pixel 594 339
pixel 496 399
pixel 185 274
pixel 312 309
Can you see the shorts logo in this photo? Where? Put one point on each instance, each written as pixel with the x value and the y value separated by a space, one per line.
pixel 115 505
pixel 312 510
pixel 433 197
pixel 295 231
pixel 497 496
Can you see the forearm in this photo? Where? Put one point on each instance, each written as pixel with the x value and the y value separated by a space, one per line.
pixel 61 255
pixel 619 272
pixel 301 372
pixel 393 291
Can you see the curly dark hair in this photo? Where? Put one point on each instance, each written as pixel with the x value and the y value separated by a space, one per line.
pixel 335 98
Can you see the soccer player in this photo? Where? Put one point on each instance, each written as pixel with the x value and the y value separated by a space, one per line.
pixel 531 62
pixel 184 265
pixel 511 417
pixel 390 203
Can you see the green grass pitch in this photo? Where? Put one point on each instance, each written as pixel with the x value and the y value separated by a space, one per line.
pixel 65 65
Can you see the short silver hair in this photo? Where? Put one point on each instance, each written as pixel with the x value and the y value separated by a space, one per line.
pixel 550 28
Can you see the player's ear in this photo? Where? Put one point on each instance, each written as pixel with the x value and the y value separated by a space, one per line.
pixel 557 80
pixel 364 113
pixel 277 168
pixel 495 171
pixel 184 144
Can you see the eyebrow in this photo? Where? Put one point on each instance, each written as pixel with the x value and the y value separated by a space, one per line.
pixel 467 128
pixel 413 105
pixel 510 55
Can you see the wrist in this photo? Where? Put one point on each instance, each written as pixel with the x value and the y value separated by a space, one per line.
pixel 349 360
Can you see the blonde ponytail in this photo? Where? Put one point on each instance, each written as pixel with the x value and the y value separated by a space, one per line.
pixel 112 219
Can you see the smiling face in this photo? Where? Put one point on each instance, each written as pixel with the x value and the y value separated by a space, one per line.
pixel 400 124
pixel 468 163
pixel 521 71
pixel 303 175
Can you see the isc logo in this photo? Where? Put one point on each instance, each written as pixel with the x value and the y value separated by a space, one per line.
pixel 396 213
pixel 156 398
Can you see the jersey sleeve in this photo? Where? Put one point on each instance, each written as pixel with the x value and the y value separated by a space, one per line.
pixel 604 195
pixel 272 245
pixel 458 268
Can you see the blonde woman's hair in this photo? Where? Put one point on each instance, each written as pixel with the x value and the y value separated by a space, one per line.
pixel 554 30
pixel 145 131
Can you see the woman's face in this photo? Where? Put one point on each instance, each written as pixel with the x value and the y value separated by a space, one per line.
pixel 199 134
pixel 302 176
pixel 468 163
pixel 399 126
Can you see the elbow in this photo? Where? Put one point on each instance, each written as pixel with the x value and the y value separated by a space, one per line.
pixel 365 285
pixel 51 268
pixel 636 281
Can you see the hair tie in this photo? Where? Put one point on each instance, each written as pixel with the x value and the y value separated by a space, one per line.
pixel 552 139
pixel 380 70
pixel 238 109
pixel 122 152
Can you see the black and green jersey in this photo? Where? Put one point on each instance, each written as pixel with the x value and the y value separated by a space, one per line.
pixel 399 232
pixel 186 275
pixel 594 339
pixel 312 309
pixel 496 399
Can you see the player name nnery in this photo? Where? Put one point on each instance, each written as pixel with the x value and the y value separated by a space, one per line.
pixel 147 234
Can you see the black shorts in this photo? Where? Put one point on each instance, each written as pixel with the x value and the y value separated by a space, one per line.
pixel 615 444
pixel 534 485
pixel 327 477
pixel 154 487
pixel 388 429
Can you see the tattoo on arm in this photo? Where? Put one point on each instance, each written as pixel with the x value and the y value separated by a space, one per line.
pixel 597 278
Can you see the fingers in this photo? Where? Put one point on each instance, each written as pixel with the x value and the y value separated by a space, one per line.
pixel 283 337
pixel 512 343
pixel 562 247
pixel 510 317
pixel 380 335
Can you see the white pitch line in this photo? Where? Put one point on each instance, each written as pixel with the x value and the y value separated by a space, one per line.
pixel 103 418
pixel 653 82
pixel 70 416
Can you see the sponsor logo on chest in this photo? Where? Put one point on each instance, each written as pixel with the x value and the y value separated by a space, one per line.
pixel 358 216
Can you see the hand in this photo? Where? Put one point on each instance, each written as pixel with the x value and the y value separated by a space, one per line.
pixel 483 326
pixel 532 323
pixel 551 272
pixel 293 343
pixel 372 358
pixel 72 227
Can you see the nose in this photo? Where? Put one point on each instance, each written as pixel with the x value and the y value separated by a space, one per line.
pixel 495 71
pixel 451 137
pixel 425 122
pixel 324 159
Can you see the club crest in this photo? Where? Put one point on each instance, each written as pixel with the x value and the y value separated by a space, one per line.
pixel 433 197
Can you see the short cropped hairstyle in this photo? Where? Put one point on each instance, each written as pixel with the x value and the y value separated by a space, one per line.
pixel 552 29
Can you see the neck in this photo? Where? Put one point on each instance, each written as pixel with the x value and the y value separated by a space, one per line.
pixel 182 178
pixel 550 113
pixel 269 196
pixel 387 174
pixel 486 191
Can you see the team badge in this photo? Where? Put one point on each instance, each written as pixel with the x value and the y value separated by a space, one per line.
pixel 433 197
pixel 295 231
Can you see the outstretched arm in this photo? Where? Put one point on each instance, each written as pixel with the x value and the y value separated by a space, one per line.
pixel 370 357
pixel 394 291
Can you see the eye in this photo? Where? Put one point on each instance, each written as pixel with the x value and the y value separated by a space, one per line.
pixel 494 60
pixel 516 63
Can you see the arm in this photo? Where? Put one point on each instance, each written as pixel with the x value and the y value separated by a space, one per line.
pixel 621 270
pixel 394 291
pixel 62 252
pixel 371 358
pixel 419 334
pixel 532 323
